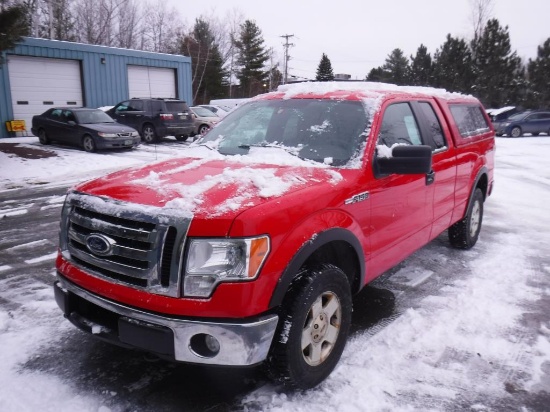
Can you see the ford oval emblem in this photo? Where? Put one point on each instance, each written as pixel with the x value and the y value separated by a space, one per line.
pixel 99 244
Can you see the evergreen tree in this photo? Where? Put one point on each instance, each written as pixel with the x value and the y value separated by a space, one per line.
pixel 498 70
pixel 396 68
pixel 251 57
pixel 539 77
pixel 206 62
pixel 13 26
pixel 452 66
pixel 324 70
pixel 377 74
pixel 420 73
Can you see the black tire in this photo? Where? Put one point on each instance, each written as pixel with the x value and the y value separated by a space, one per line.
pixel 88 144
pixel 43 137
pixel 182 138
pixel 203 128
pixel 148 134
pixel 464 233
pixel 535 134
pixel 516 131
pixel 316 311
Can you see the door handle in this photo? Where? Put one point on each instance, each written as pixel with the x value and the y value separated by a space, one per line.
pixel 430 178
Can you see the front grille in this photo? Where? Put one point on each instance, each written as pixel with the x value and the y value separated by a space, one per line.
pixel 124 134
pixel 143 245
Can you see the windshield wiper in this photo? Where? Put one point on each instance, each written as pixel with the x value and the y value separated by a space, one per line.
pixel 269 145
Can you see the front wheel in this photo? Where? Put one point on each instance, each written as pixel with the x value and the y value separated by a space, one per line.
pixel 464 233
pixel 313 328
pixel 515 132
pixel 88 144
pixel 182 137
pixel 203 129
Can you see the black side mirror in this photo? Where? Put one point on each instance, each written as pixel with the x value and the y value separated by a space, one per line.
pixel 405 160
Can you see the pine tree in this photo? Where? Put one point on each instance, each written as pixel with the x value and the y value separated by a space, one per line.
pixel 421 70
pixel 251 57
pixel 324 70
pixel 396 67
pixel 206 62
pixel 539 77
pixel 452 66
pixel 377 74
pixel 498 70
pixel 13 26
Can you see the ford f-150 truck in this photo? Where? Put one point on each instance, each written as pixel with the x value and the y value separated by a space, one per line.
pixel 249 247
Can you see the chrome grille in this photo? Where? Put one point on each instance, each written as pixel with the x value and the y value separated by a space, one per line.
pixel 143 244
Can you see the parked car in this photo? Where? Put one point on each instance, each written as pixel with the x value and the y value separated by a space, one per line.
pixel 534 122
pixel 499 115
pixel 220 110
pixel 92 129
pixel 204 119
pixel 155 118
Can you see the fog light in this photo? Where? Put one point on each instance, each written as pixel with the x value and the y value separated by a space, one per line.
pixel 204 345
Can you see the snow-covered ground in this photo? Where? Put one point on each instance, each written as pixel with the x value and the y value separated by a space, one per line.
pixel 480 340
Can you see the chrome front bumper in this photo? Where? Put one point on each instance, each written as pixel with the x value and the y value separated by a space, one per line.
pixel 240 344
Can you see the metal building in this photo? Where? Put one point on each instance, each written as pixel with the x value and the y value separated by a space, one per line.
pixel 38 74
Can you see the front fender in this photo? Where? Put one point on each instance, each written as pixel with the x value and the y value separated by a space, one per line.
pixel 303 240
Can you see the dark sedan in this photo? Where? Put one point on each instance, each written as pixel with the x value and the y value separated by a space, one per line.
pixel 533 122
pixel 92 129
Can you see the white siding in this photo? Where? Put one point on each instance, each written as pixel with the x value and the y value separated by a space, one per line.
pixel 151 82
pixel 38 83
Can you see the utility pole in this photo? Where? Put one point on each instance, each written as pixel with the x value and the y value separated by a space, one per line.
pixel 287 56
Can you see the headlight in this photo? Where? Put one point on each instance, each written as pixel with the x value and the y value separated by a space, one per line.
pixel 212 261
pixel 134 134
pixel 106 134
pixel 506 124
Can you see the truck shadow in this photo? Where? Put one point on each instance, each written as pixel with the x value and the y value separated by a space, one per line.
pixel 124 379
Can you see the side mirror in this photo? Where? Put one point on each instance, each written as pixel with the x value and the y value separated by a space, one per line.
pixel 405 160
pixel 72 123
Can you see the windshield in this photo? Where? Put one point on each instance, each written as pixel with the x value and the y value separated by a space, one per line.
pixel 326 131
pixel 93 116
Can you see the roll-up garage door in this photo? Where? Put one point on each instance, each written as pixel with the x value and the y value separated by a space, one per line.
pixel 38 83
pixel 151 82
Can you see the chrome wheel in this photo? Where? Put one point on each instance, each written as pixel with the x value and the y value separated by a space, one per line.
pixel 321 328
pixel 203 129
pixel 475 218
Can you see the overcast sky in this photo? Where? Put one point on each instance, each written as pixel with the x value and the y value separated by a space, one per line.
pixel 358 35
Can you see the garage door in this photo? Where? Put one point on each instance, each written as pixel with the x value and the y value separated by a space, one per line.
pixel 151 82
pixel 38 83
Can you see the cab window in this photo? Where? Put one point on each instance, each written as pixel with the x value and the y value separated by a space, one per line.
pixel 399 126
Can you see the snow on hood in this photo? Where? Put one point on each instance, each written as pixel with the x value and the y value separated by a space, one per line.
pixel 213 185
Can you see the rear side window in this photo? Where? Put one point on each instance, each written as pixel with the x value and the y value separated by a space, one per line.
pixel 174 107
pixel 469 119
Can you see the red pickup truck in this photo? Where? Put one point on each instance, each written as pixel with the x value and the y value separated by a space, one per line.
pixel 249 247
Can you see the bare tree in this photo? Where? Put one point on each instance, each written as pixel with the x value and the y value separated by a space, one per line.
pixel 95 20
pixel 228 34
pixel 482 11
pixel 161 27
pixel 129 23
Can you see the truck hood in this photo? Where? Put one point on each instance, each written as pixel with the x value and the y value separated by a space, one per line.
pixel 207 188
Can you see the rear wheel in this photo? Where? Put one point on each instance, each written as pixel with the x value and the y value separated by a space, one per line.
pixel 464 233
pixel 148 134
pixel 203 129
pixel 43 137
pixel 313 328
pixel 515 132
pixel 88 144
pixel 182 138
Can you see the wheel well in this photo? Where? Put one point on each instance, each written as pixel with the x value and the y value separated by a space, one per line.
pixel 483 184
pixel 342 255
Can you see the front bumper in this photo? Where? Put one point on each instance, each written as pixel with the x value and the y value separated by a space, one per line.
pixel 240 343
pixel 118 143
